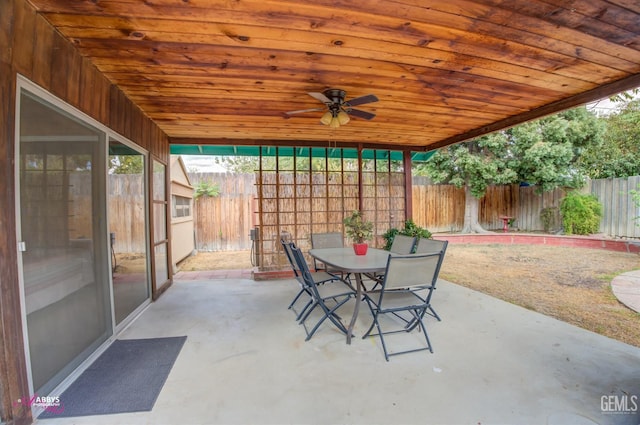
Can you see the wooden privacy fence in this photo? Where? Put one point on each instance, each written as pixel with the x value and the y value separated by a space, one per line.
pixel 224 222
pixel 126 207
pixel 440 208
pixel 618 206
pixel 221 223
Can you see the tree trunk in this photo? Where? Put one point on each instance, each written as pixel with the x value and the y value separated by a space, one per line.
pixel 471 210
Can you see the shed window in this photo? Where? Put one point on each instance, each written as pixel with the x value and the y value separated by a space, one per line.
pixel 181 206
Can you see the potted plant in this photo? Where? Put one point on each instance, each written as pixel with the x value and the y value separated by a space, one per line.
pixel 359 230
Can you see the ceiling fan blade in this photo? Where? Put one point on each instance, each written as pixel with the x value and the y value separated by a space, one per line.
pixel 321 97
pixel 361 114
pixel 302 111
pixel 362 100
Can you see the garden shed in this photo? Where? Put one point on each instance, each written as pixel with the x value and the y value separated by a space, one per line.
pixel 182 226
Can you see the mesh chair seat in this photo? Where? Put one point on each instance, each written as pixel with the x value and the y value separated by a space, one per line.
pixel 401 299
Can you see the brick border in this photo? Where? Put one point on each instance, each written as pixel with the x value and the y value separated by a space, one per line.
pixel 630 246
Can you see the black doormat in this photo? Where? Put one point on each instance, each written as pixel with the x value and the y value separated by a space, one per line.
pixel 127 377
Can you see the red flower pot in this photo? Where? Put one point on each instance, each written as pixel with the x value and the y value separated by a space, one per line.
pixel 360 248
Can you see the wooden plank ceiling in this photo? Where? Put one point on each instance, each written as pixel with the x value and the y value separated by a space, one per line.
pixel 211 71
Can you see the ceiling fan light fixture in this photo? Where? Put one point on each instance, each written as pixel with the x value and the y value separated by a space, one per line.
pixel 326 118
pixel 343 117
pixel 339 111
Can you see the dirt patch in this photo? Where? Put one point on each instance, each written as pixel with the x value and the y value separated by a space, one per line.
pixel 217 260
pixel 130 263
pixel 570 284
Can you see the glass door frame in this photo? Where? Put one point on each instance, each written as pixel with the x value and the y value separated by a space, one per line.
pixel 111 136
pixel 160 233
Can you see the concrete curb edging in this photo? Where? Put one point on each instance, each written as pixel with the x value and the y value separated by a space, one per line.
pixel 620 245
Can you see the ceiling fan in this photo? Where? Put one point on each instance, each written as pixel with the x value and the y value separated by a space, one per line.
pixel 337 109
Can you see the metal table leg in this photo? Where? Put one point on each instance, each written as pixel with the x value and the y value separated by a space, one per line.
pixel 356 309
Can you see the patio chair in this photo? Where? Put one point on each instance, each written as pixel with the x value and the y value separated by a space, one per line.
pixel 325 240
pixel 402 244
pixel 404 297
pixel 426 246
pixel 318 278
pixel 329 298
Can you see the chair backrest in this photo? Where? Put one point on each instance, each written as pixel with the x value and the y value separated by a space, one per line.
pixel 305 277
pixel 407 271
pixel 327 240
pixel 425 246
pixel 287 246
pixel 402 244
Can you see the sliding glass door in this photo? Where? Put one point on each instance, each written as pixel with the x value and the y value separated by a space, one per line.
pixel 63 239
pixel 127 196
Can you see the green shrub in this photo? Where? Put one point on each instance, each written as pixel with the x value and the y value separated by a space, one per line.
pixel 548 218
pixel 388 236
pixel 580 214
pixel 206 189
pixel 410 229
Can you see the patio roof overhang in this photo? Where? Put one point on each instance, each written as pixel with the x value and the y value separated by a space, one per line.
pixel 219 72
pixel 320 152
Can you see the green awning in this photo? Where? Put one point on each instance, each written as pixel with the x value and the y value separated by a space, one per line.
pixel 219 150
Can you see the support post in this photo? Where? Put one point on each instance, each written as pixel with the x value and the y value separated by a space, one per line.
pixel 408 185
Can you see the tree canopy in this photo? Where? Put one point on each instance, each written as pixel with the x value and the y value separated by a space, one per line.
pixel 126 164
pixel 618 153
pixel 475 164
pixel 544 153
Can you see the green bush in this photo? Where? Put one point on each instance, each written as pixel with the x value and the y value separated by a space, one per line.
pixel 580 214
pixel 548 218
pixel 410 229
pixel 206 189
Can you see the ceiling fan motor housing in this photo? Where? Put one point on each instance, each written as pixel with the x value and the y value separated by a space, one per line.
pixel 338 110
pixel 336 96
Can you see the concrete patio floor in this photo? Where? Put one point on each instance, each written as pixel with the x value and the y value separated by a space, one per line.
pixel 245 361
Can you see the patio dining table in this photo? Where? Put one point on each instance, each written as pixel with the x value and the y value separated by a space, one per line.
pixel 345 260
